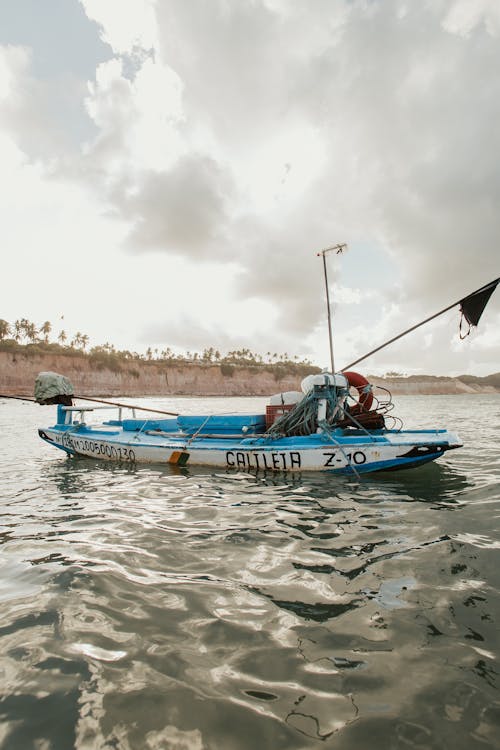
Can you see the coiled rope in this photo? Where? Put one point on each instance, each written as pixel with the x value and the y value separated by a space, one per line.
pixel 303 418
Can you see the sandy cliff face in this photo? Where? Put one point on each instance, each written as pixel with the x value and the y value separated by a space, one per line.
pixel 18 373
pixel 427 386
pixel 19 370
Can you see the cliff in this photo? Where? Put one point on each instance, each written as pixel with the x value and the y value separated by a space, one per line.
pixel 98 377
pixel 91 377
pixel 428 385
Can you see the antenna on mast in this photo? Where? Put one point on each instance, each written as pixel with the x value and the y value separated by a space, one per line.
pixel 339 249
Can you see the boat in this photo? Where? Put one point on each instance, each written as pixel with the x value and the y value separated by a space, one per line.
pixel 323 427
pixel 336 423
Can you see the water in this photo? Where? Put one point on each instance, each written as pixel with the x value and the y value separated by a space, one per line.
pixel 189 609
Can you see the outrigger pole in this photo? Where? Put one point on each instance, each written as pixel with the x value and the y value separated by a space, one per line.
pixel 127 406
pixel 471 308
pixel 339 248
pixel 100 401
pixel 18 398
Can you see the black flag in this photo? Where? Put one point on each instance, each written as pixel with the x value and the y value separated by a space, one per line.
pixel 472 307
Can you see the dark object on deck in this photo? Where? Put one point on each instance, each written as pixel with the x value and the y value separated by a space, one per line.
pixel 52 388
pixel 61 399
pixel 369 420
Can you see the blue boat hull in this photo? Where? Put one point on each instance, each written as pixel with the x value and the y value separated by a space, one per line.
pixel 238 442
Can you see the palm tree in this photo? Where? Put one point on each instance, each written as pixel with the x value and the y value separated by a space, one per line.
pixel 84 340
pixel 18 330
pixel 77 340
pixel 31 332
pixel 24 323
pixel 62 338
pixel 45 329
pixel 4 329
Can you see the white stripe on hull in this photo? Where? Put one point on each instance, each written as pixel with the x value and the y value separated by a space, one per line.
pixel 324 457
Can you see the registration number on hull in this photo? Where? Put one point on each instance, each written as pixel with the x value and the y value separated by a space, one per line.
pixel 97 449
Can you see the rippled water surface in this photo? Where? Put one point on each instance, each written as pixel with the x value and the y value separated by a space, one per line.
pixel 190 609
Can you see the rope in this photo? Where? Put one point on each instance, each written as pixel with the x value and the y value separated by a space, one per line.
pixel 463 335
pixel 195 434
pixel 326 429
pixel 303 419
pixel 136 436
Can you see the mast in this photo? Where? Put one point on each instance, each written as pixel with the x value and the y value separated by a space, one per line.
pixel 339 249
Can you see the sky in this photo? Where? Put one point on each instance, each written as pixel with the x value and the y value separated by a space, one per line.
pixel 171 168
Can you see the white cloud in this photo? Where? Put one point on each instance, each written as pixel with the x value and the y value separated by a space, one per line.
pixel 125 25
pixel 249 135
pixel 466 15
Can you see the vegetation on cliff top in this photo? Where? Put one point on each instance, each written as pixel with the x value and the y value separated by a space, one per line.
pixel 24 336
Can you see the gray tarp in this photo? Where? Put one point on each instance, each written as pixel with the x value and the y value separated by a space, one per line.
pixel 50 385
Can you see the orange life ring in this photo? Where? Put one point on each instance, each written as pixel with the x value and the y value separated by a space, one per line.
pixel 364 389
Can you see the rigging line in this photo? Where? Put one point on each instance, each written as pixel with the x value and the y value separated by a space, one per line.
pixel 326 431
pixel 417 325
pixel 360 426
pixel 136 435
pixel 197 432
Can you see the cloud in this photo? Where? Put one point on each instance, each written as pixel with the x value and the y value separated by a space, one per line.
pixel 415 106
pixel 406 108
pixel 401 102
pixel 259 132
pixel 181 210
pixel 464 16
pixel 44 116
pixel 126 27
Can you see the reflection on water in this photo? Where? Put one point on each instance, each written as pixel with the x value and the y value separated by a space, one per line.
pixel 158 607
